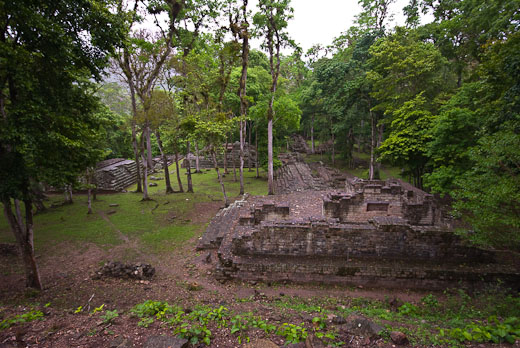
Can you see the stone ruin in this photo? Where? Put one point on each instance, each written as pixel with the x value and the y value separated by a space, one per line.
pixel 117 174
pixel 116 269
pixel 371 233
pixel 232 152
pixel 299 144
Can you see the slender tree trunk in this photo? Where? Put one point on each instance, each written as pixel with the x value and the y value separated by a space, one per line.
pixel 68 194
pixel 312 134
pixel 233 159
pixel 373 171
pixel 226 171
pixel 215 163
pixel 242 139
pixel 333 144
pixel 137 160
pixel 89 192
pixel 89 201
pixel 169 188
pixel 188 167
pixel 249 160
pixel 148 146
pixel 178 171
pixel 197 165
pixel 23 232
pixel 270 174
pixel 145 170
pixel 256 154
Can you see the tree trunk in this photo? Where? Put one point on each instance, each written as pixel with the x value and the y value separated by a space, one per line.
pixel 169 188
pixel 197 166
pixel 373 171
pixel 333 145
pixel 312 134
pixel 215 163
pixel 137 160
pixel 256 154
pixel 233 159
pixel 89 201
pixel 270 174
pixel 68 194
pixel 178 171
pixel 226 171
pixel 188 167
pixel 145 172
pixel 148 146
pixel 249 160
pixel 242 139
pixel 89 193
pixel 25 238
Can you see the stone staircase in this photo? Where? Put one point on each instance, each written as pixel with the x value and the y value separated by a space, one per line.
pixel 296 176
pixel 116 174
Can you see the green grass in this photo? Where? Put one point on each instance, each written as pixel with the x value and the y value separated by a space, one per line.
pixel 146 221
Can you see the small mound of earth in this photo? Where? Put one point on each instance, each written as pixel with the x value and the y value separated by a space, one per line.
pixel 121 270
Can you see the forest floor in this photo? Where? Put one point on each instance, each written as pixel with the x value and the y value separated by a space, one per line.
pixel 184 299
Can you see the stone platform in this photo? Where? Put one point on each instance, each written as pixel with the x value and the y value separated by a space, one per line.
pixel 371 233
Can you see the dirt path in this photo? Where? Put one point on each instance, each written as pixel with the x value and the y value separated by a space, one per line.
pixel 119 233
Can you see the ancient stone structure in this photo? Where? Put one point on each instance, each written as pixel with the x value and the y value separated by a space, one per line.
pixel 295 175
pixel 299 144
pixel 364 200
pixel 117 174
pixel 122 270
pixel 374 233
pixel 232 152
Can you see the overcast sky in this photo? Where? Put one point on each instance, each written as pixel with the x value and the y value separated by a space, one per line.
pixel 321 21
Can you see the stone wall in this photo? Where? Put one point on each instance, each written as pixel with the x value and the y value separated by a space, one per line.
pixel 232 152
pixel 367 241
pixel 364 200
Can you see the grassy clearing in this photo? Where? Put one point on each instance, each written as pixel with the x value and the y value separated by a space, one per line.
pixel 160 224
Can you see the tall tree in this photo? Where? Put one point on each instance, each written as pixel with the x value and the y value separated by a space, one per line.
pixel 271 24
pixel 49 53
pixel 240 28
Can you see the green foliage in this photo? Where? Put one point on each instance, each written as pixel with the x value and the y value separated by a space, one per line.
pixel 109 316
pixel 21 318
pixel 495 331
pixel 292 333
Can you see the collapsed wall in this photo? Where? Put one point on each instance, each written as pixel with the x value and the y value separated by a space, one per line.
pixel 232 156
pixel 349 242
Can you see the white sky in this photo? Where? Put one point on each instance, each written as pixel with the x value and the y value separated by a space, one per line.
pixel 319 22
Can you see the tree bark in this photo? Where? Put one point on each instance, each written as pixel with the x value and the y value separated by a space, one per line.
pixel 226 171
pixel 256 154
pixel 178 171
pixel 169 188
pixel 373 171
pixel 145 171
pixel 215 163
pixel 233 159
pixel 312 134
pixel 188 168
pixel 270 173
pixel 249 160
pixel 241 171
pixel 137 160
pixel 148 146
pixel 25 238
pixel 197 165
pixel 89 191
